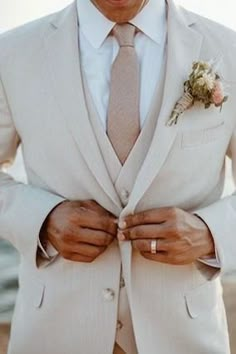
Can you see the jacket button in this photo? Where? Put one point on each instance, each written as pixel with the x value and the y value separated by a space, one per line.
pixel 108 294
pixel 124 196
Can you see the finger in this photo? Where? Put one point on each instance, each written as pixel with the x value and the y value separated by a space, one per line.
pixel 95 237
pixel 89 250
pixel 93 205
pixel 83 249
pixel 152 216
pixel 145 245
pixel 151 231
pixel 161 257
pixel 90 236
pixel 93 220
pixel 168 258
pixel 74 257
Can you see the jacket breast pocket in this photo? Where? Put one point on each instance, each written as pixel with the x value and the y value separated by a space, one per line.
pixel 195 138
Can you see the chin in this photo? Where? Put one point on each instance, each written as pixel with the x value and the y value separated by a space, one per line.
pixel 118 3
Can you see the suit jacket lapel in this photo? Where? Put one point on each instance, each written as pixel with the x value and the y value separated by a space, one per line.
pixel 183 48
pixel 67 86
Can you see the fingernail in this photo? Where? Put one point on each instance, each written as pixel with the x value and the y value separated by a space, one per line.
pixel 116 221
pixel 122 224
pixel 121 236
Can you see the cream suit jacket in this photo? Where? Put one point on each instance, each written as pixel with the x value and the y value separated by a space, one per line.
pixel 63 308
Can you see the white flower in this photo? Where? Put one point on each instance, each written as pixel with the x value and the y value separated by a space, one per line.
pixel 207 80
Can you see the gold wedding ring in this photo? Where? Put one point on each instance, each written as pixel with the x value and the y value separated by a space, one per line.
pixel 153 246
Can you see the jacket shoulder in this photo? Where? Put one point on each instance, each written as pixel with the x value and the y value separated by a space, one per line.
pixel 24 36
pixel 35 28
pixel 210 28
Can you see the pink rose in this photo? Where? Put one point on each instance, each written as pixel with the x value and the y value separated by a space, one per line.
pixel 218 94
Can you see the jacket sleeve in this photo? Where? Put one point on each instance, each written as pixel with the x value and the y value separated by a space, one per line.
pixel 23 207
pixel 221 220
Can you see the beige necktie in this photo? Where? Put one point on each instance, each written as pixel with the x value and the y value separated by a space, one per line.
pixel 123 111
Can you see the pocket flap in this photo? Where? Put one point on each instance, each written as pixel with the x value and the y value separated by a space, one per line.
pixel 203 299
pixel 38 294
pixel 33 292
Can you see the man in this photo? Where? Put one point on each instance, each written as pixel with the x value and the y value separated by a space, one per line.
pixel 121 229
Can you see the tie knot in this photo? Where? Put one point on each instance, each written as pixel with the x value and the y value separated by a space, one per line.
pixel 124 34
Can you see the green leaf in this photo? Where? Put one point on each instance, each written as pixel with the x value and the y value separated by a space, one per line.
pixel 225 99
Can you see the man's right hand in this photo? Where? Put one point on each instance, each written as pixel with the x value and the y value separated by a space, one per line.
pixel 79 230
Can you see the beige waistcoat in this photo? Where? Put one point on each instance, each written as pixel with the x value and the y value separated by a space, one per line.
pixel 123 178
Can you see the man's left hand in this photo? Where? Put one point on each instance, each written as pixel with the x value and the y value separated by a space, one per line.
pixel 182 237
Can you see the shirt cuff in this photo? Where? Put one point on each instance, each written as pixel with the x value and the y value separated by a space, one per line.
pixel 47 250
pixel 211 261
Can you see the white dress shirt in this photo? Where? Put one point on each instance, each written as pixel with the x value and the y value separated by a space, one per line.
pixel 98 50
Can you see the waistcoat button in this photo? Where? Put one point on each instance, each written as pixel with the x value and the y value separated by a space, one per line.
pixel 108 294
pixel 124 196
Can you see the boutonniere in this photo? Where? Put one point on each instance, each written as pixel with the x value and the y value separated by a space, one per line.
pixel 204 85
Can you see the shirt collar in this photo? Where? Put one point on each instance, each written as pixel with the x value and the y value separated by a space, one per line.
pixel 96 27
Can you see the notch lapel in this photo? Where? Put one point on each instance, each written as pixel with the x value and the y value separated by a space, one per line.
pixel 65 80
pixel 183 48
